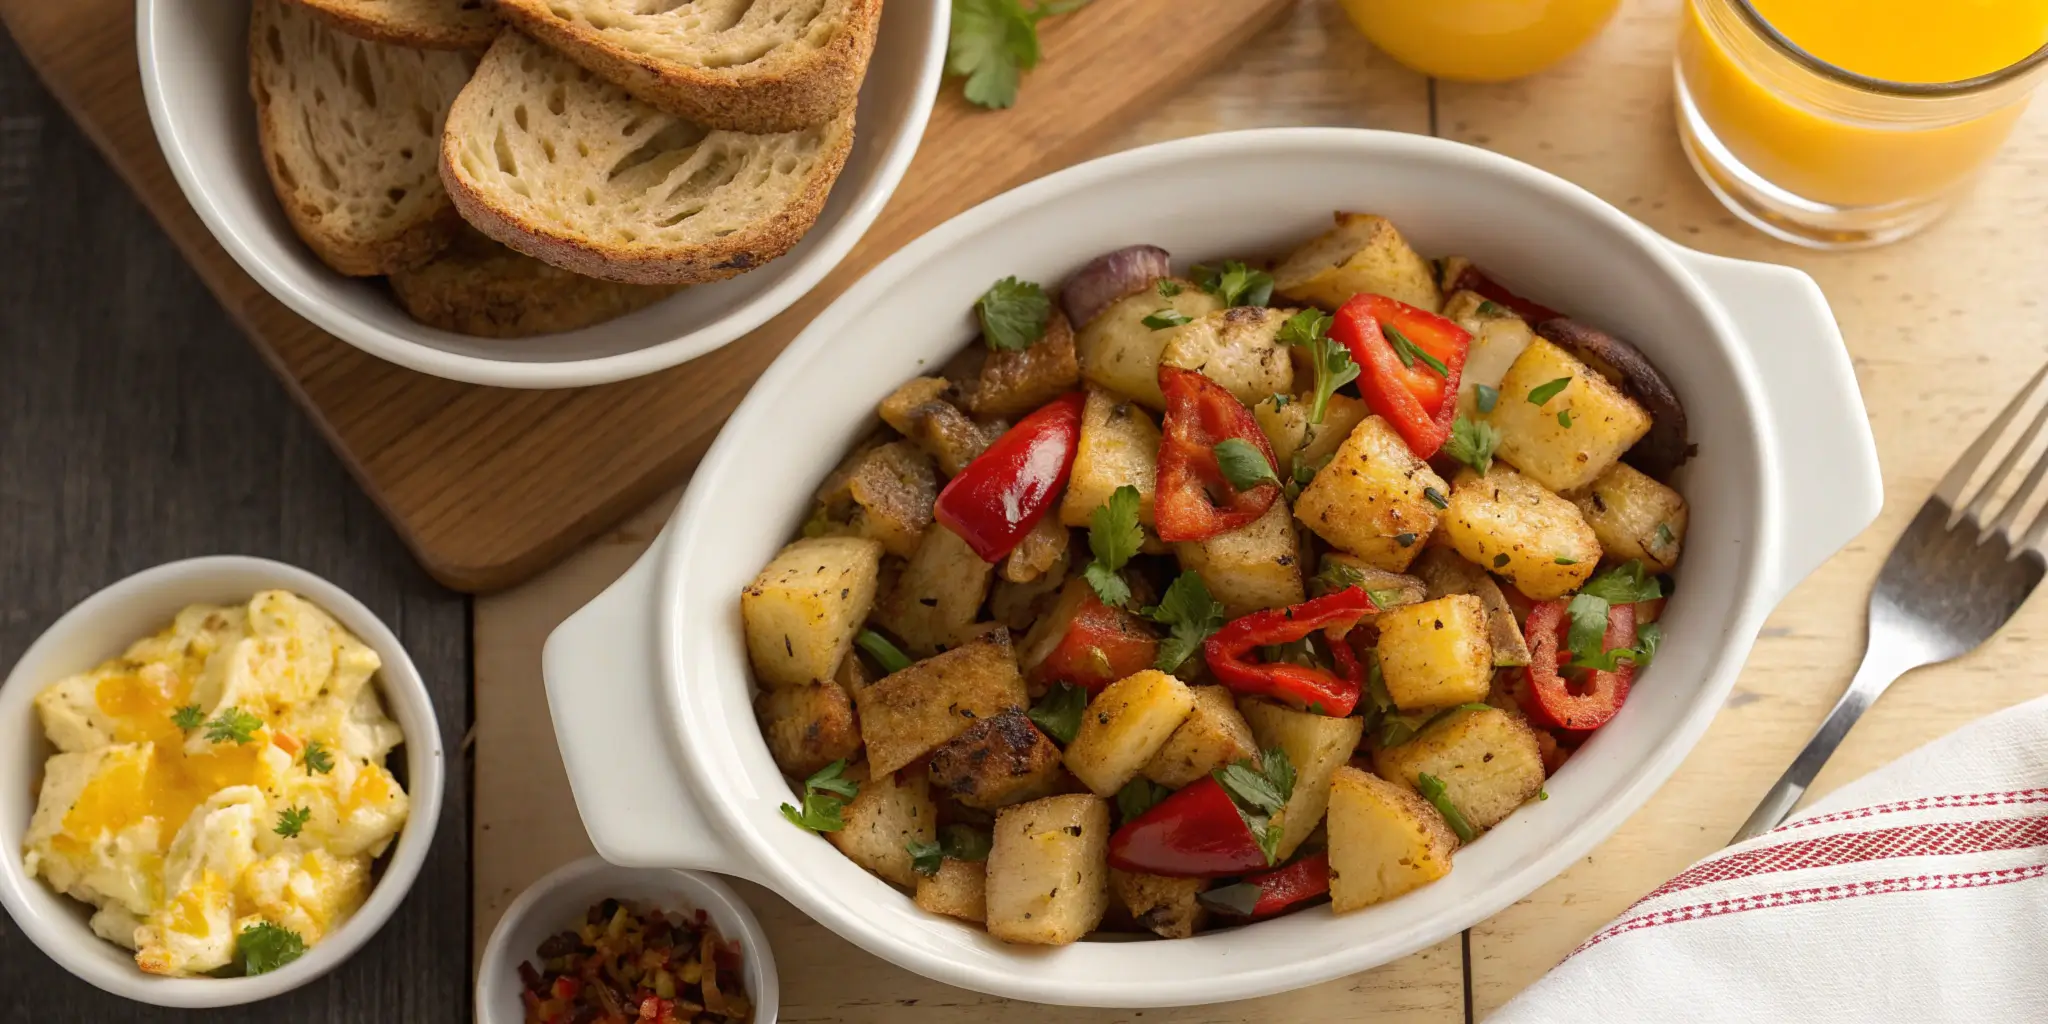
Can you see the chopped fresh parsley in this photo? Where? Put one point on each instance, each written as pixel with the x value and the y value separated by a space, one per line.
pixel 1589 610
pixel 1168 287
pixel 1472 442
pixel 1564 417
pixel 1164 319
pixel 1664 535
pixel 1542 393
pixel 1259 796
pixel 1432 789
pixel 1485 397
pixel 1059 712
pixel 233 724
pixel 1013 314
pixel 1627 583
pixel 825 795
pixel 265 947
pixel 1336 576
pixel 965 842
pixel 292 820
pixel 992 44
pixel 188 718
pixel 1384 599
pixel 1436 497
pixel 1243 464
pixel 888 655
pixel 1304 474
pixel 1562 560
pixel 1188 610
pixel 1406 540
pixel 1238 899
pixel 1410 353
pixel 1235 283
pixel 1310 330
pixel 1488 307
pixel 316 758
pixel 925 858
pixel 1113 536
pixel 1138 796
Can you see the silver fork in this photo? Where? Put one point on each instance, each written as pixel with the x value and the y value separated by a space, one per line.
pixel 1957 574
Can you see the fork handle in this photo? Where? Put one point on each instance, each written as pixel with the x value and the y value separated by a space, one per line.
pixel 1878 670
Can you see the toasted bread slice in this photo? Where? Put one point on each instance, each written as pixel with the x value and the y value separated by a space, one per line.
pixel 748 65
pixel 554 161
pixel 350 131
pixel 427 24
pixel 480 288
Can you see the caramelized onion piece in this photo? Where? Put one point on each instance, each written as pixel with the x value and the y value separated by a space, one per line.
pixel 1110 277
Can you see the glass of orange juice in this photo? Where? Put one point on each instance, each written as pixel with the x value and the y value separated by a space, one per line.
pixel 1479 40
pixel 1845 123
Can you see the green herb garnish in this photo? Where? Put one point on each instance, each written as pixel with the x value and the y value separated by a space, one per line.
pixel 1410 353
pixel 1059 711
pixel 992 44
pixel 1114 535
pixel 888 655
pixel 1542 393
pixel 1310 329
pixel 233 724
pixel 188 718
pixel 1432 789
pixel 316 759
pixel 1235 283
pixel 825 795
pixel 292 820
pixel 1564 418
pixel 1165 318
pixel 1188 610
pixel 1244 465
pixel 1436 497
pixel 1168 287
pixel 265 947
pixel 1259 796
pixel 1472 442
pixel 1013 314
pixel 1485 397
pixel 1138 796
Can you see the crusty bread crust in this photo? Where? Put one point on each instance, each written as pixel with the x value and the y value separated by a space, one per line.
pixel 742 250
pixel 427 24
pixel 480 288
pixel 746 97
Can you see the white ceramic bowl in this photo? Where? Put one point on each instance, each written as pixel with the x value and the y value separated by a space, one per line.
pixel 559 901
pixel 649 684
pixel 101 627
pixel 195 77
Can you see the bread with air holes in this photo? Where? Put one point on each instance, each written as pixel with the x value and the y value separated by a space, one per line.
pixel 427 24
pixel 480 288
pixel 552 160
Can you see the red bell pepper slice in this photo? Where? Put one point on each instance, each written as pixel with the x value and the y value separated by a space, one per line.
pixel 1099 644
pixel 1413 396
pixel 1195 501
pixel 1580 706
pixel 1330 693
pixel 1197 832
pixel 1007 489
pixel 1471 278
pixel 1280 889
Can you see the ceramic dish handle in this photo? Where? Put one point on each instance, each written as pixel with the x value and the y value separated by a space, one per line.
pixel 1827 459
pixel 604 693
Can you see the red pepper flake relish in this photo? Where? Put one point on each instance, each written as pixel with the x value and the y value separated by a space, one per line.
pixel 629 963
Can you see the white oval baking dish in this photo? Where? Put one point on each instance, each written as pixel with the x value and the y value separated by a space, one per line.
pixel 649 684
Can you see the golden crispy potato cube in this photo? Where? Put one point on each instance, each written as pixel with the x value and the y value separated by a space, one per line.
pixel 1124 726
pixel 1119 446
pixel 1014 383
pixel 960 889
pixel 922 410
pixel 1445 572
pixel 889 814
pixel 1498 338
pixel 1384 841
pixel 1296 441
pixel 1165 906
pixel 997 762
pixel 908 713
pixel 1041 550
pixel 1436 654
pixel 1317 745
pixel 1372 499
pixel 936 602
pixel 1321 440
pixel 1635 517
pixel 1284 421
pixel 1387 589
pixel 1048 870
pixel 802 612
pixel 1563 452
pixel 1214 734
pixel 1488 761
pixel 1118 351
pixel 1238 348
pixel 1509 524
pixel 1363 253
pixel 1256 567
pixel 884 492
pixel 808 727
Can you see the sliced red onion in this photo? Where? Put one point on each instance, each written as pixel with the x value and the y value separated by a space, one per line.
pixel 1110 277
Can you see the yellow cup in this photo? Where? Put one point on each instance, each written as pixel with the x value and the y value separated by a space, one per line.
pixel 1479 40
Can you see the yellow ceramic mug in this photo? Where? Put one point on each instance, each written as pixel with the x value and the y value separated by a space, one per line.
pixel 1479 40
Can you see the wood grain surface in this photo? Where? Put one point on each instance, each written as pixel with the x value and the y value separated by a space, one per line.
pixel 489 485
pixel 136 427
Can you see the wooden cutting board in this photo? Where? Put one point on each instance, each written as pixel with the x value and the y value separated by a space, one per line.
pixel 488 485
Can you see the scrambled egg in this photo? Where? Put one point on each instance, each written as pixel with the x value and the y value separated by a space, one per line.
pixel 226 772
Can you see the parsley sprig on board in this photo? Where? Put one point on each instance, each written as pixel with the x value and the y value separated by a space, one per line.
pixel 994 42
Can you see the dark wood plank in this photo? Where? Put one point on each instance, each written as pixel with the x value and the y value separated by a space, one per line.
pixel 137 426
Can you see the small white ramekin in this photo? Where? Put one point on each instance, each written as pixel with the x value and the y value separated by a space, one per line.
pixel 558 902
pixel 101 627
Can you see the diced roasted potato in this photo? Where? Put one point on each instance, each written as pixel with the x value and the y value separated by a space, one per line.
pixel 1577 432
pixel 960 889
pixel 808 727
pixel 1363 253
pixel 889 814
pixel 1256 567
pixel 1019 605
pixel 1317 745
pixel 1015 383
pixel 1509 524
pixel 1436 654
pixel 1488 760
pixel 908 713
pixel 1387 589
pixel 1372 500
pixel 1040 550
pixel 1296 441
pixel 1165 906
pixel 1048 871
pixel 1498 338
pixel 1213 735
pixel 802 612
pixel 884 492
pixel 997 762
pixel 1119 446
pixel 923 411
pixel 1446 573
pixel 1238 348
pixel 1124 726
pixel 1635 517
pixel 935 603
pixel 1119 351
pixel 1384 840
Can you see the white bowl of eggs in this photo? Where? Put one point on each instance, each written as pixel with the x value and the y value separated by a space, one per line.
pixel 221 778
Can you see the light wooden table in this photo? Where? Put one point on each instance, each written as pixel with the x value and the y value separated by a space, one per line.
pixel 1940 338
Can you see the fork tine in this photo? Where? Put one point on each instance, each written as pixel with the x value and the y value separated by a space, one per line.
pixel 1980 506
pixel 1951 488
pixel 2009 516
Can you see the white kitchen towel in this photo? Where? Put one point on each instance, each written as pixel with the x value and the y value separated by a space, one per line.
pixel 1918 893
